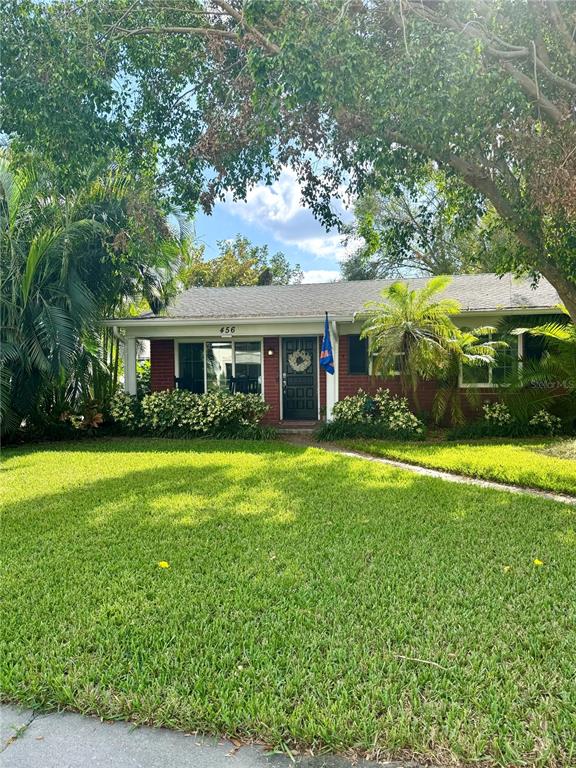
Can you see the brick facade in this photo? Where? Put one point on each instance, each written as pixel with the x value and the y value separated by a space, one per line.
pixel 163 372
pixel 350 383
pixel 161 364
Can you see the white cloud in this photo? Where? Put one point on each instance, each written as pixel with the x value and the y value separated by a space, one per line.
pixel 278 209
pixel 321 276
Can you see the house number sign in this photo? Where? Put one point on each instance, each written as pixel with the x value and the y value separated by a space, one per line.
pixel 227 330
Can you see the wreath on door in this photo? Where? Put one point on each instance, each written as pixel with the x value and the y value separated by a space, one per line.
pixel 299 360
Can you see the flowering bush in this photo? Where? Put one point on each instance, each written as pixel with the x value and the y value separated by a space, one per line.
pixel 497 414
pixel 380 415
pixel 125 410
pixel 546 423
pixel 498 421
pixel 178 412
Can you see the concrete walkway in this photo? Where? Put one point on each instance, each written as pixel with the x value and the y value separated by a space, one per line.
pixel 68 740
pixel 450 477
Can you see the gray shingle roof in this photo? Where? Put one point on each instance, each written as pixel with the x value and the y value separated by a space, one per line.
pixel 483 292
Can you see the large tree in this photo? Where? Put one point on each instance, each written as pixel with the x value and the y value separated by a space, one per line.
pixel 232 91
pixel 239 262
pixel 423 233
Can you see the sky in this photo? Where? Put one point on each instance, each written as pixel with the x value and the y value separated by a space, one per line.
pixel 274 216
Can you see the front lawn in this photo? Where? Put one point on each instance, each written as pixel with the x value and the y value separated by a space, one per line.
pixel 309 599
pixel 547 464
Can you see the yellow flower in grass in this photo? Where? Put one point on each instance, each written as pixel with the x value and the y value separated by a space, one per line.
pixel 163 564
pixel 507 568
pixel 537 562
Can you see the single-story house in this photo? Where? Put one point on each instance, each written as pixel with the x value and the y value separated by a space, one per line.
pixel 266 339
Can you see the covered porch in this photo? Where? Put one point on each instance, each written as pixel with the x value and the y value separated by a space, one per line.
pixel 280 361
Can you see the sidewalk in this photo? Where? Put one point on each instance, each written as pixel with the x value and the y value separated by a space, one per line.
pixel 68 740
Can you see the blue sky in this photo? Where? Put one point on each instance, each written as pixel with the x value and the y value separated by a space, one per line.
pixel 274 216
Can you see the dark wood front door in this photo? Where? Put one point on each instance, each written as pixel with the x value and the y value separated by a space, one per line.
pixel 299 378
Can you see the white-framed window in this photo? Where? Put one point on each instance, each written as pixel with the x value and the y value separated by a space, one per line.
pixel 506 363
pixel 227 365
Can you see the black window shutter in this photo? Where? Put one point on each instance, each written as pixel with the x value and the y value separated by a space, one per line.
pixel 357 355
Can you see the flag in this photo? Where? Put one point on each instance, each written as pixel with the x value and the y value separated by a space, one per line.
pixel 326 356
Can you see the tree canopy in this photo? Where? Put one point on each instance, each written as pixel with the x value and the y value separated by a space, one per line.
pixel 423 233
pixel 238 263
pixel 352 95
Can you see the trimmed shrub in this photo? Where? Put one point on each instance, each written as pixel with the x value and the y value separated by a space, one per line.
pixel 546 423
pixel 379 415
pixel 497 414
pixel 126 411
pixel 179 413
pixel 498 421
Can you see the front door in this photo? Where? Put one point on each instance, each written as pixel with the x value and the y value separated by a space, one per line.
pixel 299 380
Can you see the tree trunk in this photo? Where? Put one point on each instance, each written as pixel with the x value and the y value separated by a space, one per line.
pixel 566 288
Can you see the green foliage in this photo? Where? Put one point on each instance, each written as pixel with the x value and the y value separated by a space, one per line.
pixel 378 415
pixel 179 413
pixel 499 421
pixel 433 230
pixel 411 330
pixel 67 262
pixel 304 589
pixel 241 93
pixel 143 378
pixel 238 263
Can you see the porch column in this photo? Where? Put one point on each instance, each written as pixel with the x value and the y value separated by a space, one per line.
pixel 130 365
pixel 332 380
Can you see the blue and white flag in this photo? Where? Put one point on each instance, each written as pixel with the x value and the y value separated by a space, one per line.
pixel 326 356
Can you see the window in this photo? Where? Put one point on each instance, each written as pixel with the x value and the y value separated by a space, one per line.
pixel 505 365
pixel 357 355
pixel 234 366
pixel 191 367
pixel 533 347
pixel 248 366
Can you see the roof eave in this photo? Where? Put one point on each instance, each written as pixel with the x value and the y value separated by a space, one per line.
pixel 254 319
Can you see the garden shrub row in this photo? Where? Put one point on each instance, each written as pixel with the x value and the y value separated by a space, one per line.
pixel 499 421
pixel 380 415
pixel 179 413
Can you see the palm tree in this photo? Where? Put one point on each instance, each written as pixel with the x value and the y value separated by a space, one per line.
pixel 467 349
pixel 551 380
pixel 67 262
pixel 44 302
pixel 411 329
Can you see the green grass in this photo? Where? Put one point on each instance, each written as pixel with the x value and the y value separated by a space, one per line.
pixel 546 464
pixel 298 580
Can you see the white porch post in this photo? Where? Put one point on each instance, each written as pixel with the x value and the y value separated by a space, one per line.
pixel 130 365
pixel 332 380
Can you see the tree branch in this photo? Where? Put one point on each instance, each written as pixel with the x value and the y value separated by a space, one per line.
pixel 560 24
pixel 239 17
pixel 474 30
pixel 206 31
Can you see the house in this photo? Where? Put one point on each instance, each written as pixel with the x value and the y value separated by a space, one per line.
pixel 266 339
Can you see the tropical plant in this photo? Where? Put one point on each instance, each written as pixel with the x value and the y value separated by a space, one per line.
pixel 66 262
pixel 468 348
pixel 550 380
pixel 411 330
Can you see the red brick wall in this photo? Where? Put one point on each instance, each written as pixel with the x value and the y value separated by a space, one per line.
pixel 349 384
pixel 162 364
pixel 272 379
